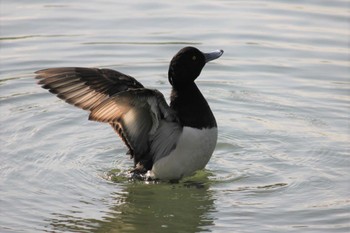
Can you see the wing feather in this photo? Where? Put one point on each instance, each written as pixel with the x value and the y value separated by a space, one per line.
pixel 74 84
pixel 138 113
pixel 140 116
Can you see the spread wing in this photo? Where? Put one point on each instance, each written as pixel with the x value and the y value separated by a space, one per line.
pixel 85 87
pixel 136 113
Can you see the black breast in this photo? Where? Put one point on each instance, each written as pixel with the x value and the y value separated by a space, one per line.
pixel 191 107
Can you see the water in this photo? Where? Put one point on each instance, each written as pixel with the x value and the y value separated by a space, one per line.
pixel 280 93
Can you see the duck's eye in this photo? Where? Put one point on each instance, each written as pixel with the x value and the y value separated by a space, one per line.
pixel 194 58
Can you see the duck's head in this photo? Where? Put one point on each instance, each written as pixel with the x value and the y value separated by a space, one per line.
pixel 187 64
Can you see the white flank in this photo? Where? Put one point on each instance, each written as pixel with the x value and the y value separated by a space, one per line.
pixel 192 153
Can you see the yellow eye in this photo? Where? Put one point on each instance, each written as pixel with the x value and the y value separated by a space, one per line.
pixel 194 58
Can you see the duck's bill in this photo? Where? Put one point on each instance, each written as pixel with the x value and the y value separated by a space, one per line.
pixel 213 55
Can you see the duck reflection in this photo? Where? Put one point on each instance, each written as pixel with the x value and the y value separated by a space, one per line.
pixel 162 207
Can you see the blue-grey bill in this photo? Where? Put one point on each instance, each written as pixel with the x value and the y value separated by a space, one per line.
pixel 213 55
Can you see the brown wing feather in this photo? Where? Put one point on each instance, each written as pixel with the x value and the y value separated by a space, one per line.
pixel 135 114
pixel 85 87
pixel 118 99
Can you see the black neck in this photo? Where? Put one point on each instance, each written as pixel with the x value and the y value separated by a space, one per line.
pixel 191 107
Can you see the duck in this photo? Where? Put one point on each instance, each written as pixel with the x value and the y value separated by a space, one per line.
pixel 165 141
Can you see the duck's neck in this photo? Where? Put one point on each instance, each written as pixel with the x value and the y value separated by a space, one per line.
pixel 191 107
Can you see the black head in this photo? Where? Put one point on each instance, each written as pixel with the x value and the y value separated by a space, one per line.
pixel 187 64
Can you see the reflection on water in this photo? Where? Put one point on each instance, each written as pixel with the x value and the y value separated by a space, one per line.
pixel 142 207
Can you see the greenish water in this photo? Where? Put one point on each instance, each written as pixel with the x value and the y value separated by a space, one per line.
pixel 280 94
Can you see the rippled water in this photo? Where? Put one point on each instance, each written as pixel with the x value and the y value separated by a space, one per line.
pixel 280 93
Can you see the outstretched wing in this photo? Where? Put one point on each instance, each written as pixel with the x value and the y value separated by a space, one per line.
pixel 136 114
pixel 118 99
pixel 85 87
